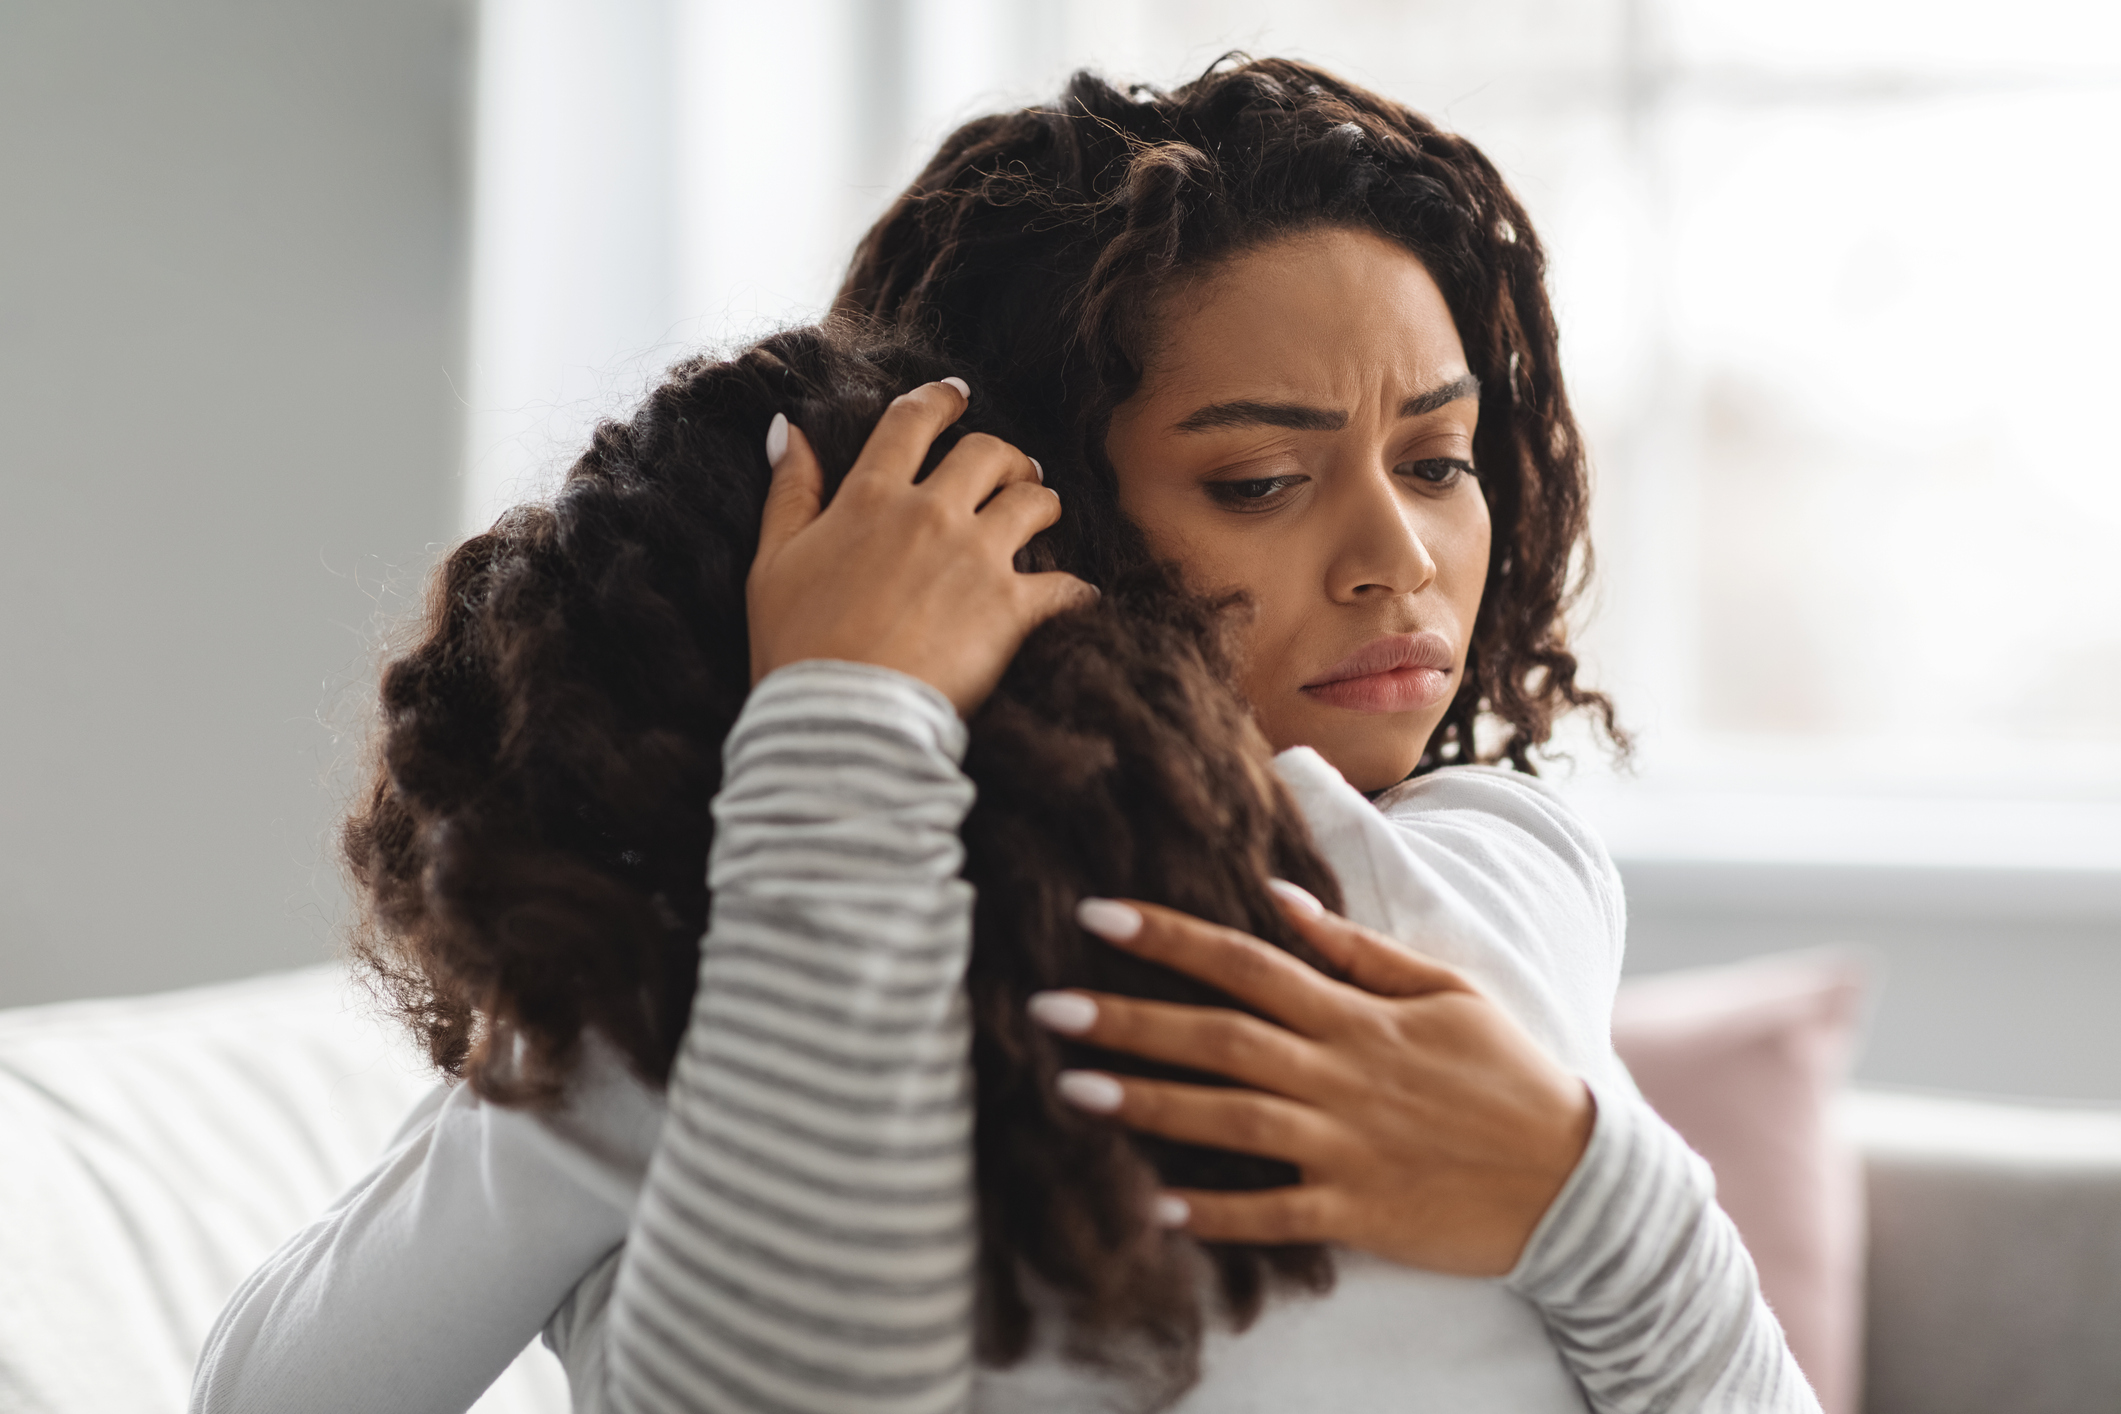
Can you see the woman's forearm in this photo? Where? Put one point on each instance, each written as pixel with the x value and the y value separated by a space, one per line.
pixel 1646 1286
pixel 805 1240
pixel 421 1284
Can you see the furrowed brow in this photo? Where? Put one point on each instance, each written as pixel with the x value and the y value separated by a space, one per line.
pixel 1251 414
pixel 1451 392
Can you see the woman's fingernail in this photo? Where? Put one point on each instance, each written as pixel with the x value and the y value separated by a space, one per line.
pixel 1113 921
pixel 1088 1090
pixel 1036 470
pixel 964 389
pixel 1171 1210
pixel 1070 1013
pixel 1300 899
pixel 777 439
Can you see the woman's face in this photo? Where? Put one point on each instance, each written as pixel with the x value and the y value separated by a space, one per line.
pixel 1304 433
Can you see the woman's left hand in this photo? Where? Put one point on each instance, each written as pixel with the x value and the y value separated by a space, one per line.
pixel 1429 1127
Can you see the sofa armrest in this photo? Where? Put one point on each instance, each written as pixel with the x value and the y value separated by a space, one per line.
pixel 1994 1255
pixel 156 1150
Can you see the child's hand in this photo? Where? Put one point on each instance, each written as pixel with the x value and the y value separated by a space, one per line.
pixel 913 577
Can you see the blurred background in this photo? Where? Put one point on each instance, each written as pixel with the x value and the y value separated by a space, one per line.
pixel 291 295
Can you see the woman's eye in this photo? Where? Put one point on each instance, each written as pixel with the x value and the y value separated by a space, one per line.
pixel 1437 471
pixel 1253 493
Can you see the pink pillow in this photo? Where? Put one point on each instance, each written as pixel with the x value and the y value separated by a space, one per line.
pixel 1744 1062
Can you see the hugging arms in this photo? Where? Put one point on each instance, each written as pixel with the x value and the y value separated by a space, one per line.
pixel 854 1218
pixel 1392 493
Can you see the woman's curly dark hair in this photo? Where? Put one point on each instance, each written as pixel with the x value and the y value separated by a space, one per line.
pixel 531 849
pixel 1035 243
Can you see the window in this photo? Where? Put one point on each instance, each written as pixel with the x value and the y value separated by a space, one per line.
pixel 1837 291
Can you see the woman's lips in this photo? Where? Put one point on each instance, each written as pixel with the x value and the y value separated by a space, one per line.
pixel 1401 672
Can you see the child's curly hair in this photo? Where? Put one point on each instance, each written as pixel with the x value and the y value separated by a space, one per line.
pixel 531 848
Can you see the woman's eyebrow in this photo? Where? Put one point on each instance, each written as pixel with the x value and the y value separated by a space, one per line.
pixel 1451 392
pixel 1303 418
pixel 1245 413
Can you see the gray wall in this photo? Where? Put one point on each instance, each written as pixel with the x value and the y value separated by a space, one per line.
pixel 2003 982
pixel 230 302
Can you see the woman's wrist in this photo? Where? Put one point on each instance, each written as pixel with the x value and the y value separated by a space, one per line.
pixel 1598 1208
pixel 868 695
pixel 1565 1150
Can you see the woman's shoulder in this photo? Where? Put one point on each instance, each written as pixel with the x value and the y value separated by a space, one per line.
pixel 1509 817
pixel 1492 873
pixel 1512 797
pixel 1475 822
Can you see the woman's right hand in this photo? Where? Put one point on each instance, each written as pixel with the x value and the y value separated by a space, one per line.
pixel 916 577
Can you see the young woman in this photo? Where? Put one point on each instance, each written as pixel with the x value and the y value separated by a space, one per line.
pixel 1280 333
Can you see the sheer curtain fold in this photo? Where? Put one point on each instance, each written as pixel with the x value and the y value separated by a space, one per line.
pixel 1833 323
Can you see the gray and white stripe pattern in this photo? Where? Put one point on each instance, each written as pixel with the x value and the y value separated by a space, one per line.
pixel 805 1240
pixel 1645 1285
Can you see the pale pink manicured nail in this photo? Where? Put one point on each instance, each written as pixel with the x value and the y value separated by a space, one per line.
pixel 1170 1210
pixel 1088 1090
pixel 777 439
pixel 1036 470
pixel 1300 899
pixel 1070 1013
pixel 1112 921
pixel 964 389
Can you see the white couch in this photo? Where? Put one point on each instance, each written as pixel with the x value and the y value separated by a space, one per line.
pixel 155 1149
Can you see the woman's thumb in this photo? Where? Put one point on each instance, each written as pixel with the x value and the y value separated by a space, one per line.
pixel 798 487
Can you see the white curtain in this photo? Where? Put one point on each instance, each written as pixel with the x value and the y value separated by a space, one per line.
pixel 1834 277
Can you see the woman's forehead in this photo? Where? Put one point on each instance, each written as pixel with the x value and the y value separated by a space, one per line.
pixel 1315 319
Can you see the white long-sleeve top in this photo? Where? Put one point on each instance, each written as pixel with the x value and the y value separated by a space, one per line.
pixel 789 1228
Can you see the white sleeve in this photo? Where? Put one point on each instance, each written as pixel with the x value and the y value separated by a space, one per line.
pixel 826 1072
pixel 1645 1285
pixel 1640 1277
pixel 806 1239
pixel 416 1290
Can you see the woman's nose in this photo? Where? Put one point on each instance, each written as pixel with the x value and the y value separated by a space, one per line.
pixel 1378 551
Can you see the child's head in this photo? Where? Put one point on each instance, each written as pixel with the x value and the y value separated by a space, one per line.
pixel 531 851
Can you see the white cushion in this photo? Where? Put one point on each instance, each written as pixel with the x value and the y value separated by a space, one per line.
pixel 156 1149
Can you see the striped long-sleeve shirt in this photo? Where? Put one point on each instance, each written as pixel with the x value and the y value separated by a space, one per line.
pixel 796 1234
pixel 805 1239
pixel 1644 1283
